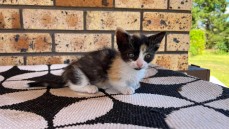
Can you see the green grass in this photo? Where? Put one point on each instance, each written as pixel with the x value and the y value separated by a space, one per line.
pixel 217 63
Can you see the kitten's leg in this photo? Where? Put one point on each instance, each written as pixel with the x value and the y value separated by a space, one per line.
pixel 136 86
pixel 122 87
pixel 83 88
pixel 103 85
pixel 79 82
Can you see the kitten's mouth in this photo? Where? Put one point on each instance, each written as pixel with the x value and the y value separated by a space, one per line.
pixel 137 68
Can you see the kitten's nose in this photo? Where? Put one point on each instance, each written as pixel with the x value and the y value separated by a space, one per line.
pixel 139 64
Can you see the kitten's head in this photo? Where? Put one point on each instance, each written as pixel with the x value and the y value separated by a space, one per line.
pixel 138 50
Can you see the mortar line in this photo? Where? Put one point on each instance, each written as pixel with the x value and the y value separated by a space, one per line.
pixel 141 21
pixel 85 20
pixel 168 4
pixel 166 36
pixel 74 53
pixel 83 31
pixel 112 41
pixel 21 19
pixel 53 42
pixel 92 8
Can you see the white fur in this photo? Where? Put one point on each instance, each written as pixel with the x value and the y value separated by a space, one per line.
pixel 130 79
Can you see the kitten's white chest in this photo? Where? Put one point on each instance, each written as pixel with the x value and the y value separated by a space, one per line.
pixel 131 75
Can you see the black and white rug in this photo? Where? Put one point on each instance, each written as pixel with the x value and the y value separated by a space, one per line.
pixel 166 99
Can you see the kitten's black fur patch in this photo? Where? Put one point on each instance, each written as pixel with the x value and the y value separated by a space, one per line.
pixel 95 64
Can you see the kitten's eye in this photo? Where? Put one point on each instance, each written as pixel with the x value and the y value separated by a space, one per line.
pixel 148 56
pixel 130 55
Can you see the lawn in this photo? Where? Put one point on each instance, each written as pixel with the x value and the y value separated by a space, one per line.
pixel 217 63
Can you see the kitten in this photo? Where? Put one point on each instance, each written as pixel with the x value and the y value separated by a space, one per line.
pixel 121 70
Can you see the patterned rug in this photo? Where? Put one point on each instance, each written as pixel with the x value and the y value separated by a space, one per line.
pixel 166 99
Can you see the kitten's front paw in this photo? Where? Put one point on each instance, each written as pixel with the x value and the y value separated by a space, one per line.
pixel 137 86
pixel 128 91
pixel 92 89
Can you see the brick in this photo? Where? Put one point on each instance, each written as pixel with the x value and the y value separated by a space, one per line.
pixel 26 2
pixel 85 3
pixel 52 19
pixel 11 60
pixel 25 42
pixel 110 20
pixel 35 60
pixel 172 61
pixel 144 4
pixel 158 21
pixel 180 4
pixel 161 48
pixel 178 42
pixel 9 19
pixel 81 42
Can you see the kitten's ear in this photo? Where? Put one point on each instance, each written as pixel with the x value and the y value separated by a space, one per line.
pixel 155 40
pixel 122 37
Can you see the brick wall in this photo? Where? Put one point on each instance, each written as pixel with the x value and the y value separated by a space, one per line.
pixel 59 31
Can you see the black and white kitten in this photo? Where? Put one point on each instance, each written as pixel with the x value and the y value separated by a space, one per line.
pixel 121 70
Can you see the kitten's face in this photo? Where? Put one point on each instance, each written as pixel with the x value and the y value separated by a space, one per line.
pixel 138 51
